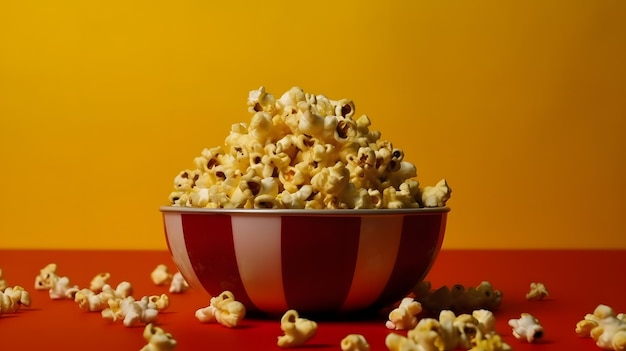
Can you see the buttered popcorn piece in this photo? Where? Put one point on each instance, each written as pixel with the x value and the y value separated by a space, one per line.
pixel 606 328
pixel 486 320
pixel 158 339
pixel 354 342
pixel 159 302
pixel 62 289
pixel 438 195
pixel 303 140
pixel 161 275
pixel 297 330
pixel 178 284
pixel 404 317
pixel 12 298
pixel 98 281
pixel 425 336
pixel 3 282
pixel 47 277
pixel 537 291
pixel 90 301
pixel 489 342
pixel 223 309
pixel 526 328
pixel 132 312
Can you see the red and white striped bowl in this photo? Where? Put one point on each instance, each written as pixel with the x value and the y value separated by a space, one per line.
pixel 314 261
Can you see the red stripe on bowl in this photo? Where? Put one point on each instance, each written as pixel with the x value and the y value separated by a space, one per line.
pixel 378 247
pixel 324 250
pixel 211 252
pixel 420 243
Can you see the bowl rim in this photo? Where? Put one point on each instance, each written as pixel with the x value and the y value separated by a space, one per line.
pixel 301 212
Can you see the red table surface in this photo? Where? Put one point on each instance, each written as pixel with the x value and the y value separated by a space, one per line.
pixel 577 281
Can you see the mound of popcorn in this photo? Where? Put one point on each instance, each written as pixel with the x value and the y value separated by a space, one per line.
pixel 303 151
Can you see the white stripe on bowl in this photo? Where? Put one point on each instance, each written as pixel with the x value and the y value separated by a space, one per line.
pixel 257 242
pixel 178 248
pixel 379 238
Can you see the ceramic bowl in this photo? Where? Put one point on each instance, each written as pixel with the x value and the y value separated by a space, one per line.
pixel 318 262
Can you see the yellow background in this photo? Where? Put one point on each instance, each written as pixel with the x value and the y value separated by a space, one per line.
pixel 520 105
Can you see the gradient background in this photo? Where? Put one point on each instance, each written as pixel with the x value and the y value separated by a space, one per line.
pixel 520 105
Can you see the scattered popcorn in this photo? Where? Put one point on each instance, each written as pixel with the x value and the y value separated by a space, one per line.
pixel 526 328
pixel 606 328
pixel 12 298
pixel 223 309
pixel 131 311
pixel 158 339
pixel 489 342
pixel 426 336
pixel 303 151
pixel 404 316
pixel 537 291
pixel 90 301
pixel 98 281
pixel 486 320
pixel 450 332
pixel 160 303
pixel 297 330
pixel 62 289
pixel 3 283
pixel 47 277
pixel 161 275
pixel 457 299
pixel 465 325
pixel 397 342
pixel 354 342
pixel 178 284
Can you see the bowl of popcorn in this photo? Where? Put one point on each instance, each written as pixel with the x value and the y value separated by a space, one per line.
pixel 306 208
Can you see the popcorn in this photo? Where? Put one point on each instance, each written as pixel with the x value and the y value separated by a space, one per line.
pixel 159 302
pixel 486 320
pixel 438 195
pixel 12 298
pixel 92 301
pixel 489 342
pixel 297 330
pixel 450 335
pixel 158 339
pixel 606 328
pixel 47 277
pixel 62 289
pixel 537 291
pixel 396 342
pixel 526 328
pixel 223 309
pixel 131 311
pixel 458 298
pixel 354 342
pixel 178 284
pixel 3 283
pixel 303 140
pixel 404 316
pixel 161 275
pixel 98 281
pixel 467 327
pixel 425 336
pixel 450 332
